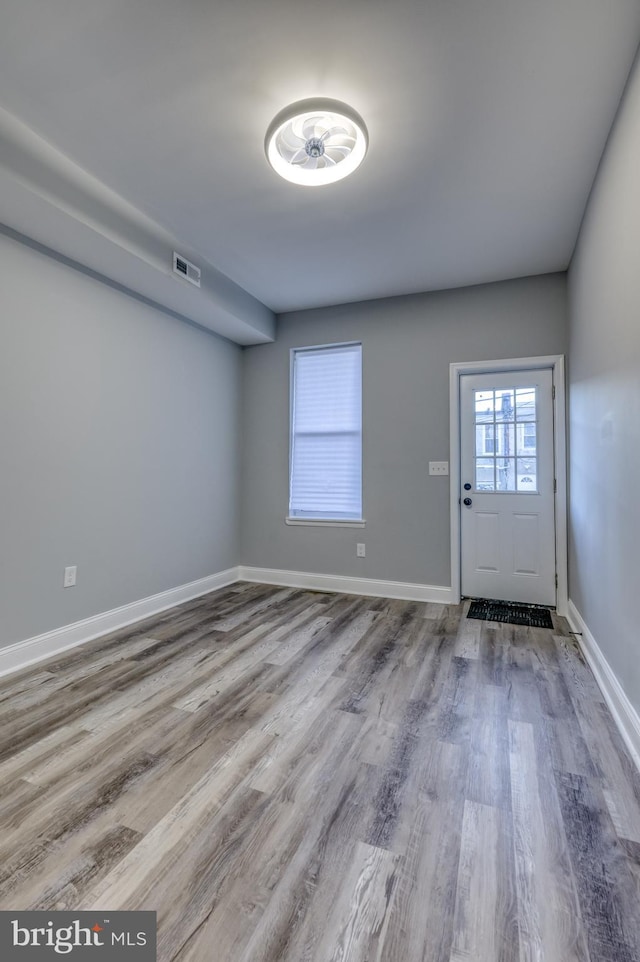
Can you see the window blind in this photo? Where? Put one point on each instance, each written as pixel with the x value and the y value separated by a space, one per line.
pixel 326 433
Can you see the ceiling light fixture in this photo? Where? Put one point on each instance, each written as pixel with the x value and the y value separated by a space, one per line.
pixel 315 142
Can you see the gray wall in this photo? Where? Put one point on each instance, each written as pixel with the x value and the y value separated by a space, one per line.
pixel 119 447
pixel 408 344
pixel 604 286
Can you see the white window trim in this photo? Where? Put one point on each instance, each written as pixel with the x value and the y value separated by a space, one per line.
pixel 320 522
pixel 327 522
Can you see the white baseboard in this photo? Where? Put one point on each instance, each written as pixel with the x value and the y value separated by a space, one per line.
pixel 36 649
pixel 33 650
pixel 349 586
pixel 624 714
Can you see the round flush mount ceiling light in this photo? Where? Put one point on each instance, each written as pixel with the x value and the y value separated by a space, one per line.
pixel 315 142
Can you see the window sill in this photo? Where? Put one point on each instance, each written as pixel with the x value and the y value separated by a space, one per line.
pixel 326 522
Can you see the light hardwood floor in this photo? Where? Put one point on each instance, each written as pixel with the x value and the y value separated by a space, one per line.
pixel 290 776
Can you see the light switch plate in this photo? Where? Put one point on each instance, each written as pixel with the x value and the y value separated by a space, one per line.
pixel 438 467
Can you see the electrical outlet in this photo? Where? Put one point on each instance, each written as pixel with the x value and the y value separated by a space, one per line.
pixel 360 551
pixel 70 576
pixel 438 467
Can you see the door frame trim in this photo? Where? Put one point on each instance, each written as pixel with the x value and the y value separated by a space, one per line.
pixel 555 362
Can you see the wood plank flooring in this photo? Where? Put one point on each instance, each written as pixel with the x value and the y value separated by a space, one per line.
pixel 292 776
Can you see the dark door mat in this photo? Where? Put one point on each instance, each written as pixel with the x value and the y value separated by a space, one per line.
pixel 531 615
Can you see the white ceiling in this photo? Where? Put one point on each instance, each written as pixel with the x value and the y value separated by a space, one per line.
pixel 487 119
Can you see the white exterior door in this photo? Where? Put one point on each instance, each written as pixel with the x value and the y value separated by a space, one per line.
pixel 507 523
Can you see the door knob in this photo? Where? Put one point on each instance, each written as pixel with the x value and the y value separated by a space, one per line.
pixel 467 487
pixel 467 501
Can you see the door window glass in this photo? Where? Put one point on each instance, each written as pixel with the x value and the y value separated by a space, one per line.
pixel 506 440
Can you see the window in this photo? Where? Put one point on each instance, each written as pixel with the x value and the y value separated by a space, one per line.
pixel 487 438
pixel 506 442
pixel 529 436
pixel 326 433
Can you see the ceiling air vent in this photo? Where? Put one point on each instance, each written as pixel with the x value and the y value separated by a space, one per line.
pixel 186 269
